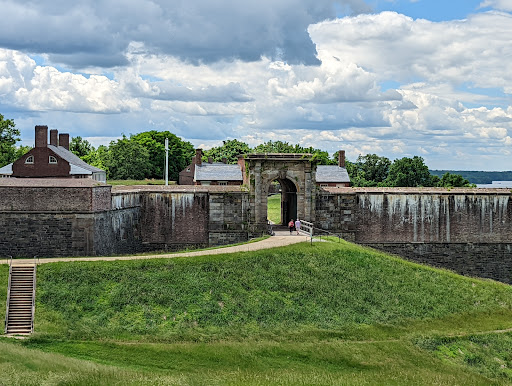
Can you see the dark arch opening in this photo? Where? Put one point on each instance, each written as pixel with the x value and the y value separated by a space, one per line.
pixel 288 200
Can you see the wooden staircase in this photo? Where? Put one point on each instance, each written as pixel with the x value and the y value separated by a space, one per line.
pixel 19 319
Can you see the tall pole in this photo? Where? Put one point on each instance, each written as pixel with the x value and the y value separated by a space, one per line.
pixel 166 161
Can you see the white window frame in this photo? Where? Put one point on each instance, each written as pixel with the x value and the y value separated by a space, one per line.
pixel 30 160
pixel 52 160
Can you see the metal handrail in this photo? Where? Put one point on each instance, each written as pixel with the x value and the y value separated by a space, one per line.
pixel 8 296
pixel 33 296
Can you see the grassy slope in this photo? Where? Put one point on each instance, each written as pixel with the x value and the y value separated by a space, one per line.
pixel 4 282
pixel 296 315
pixel 274 208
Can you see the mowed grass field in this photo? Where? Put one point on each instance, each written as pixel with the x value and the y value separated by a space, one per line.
pixel 327 313
pixel 274 208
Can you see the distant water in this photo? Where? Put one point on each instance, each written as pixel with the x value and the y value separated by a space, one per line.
pixel 496 184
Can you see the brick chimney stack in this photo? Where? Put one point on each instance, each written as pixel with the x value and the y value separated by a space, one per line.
pixel 54 137
pixel 199 154
pixel 41 136
pixel 341 158
pixel 64 141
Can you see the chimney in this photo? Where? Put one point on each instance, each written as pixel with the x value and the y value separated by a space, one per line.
pixel 199 154
pixel 341 158
pixel 54 137
pixel 210 160
pixel 64 141
pixel 41 136
pixel 224 160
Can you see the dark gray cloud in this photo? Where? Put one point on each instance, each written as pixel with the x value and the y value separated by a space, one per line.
pixel 84 33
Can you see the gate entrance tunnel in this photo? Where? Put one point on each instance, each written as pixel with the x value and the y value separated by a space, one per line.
pixel 288 200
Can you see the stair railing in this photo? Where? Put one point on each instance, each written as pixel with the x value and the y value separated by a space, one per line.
pixel 8 295
pixel 33 296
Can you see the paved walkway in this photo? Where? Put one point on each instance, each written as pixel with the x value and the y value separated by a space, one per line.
pixel 281 238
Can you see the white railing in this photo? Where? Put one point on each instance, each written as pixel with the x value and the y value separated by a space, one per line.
pixel 306 227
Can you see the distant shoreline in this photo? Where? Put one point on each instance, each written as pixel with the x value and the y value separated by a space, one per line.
pixel 479 177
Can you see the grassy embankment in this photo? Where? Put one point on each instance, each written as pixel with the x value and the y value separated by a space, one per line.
pixel 274 208
pixel 4 283
pixel 139 182
pixel 320 314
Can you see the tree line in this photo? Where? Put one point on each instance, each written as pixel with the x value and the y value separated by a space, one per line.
pixel 141 156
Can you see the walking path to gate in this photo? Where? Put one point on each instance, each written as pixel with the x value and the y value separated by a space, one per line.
pixel 281 238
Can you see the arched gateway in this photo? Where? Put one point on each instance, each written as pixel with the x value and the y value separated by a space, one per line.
pixel 296 175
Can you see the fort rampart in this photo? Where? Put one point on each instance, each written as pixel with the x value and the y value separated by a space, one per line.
pixel 469 231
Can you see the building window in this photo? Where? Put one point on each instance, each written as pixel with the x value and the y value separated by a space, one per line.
pixel 52 160
pixel 30 159
pixel 223 182
pixel 324 185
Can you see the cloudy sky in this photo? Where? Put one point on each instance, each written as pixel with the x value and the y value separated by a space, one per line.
pixel 393 77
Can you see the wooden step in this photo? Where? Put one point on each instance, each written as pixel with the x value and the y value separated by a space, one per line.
pixel 20 303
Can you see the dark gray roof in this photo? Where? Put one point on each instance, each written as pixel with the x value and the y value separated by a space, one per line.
pixel 217 172
pixel 331 173
pixel 77 165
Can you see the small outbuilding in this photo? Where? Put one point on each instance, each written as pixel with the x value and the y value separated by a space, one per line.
pixel 210 173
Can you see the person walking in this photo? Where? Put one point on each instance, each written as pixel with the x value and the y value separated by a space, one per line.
pixel 291 224
pixel 297 225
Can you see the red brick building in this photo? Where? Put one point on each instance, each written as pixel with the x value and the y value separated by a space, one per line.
pixel 53 160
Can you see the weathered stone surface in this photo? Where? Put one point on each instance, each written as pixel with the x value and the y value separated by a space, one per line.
pixel 487 260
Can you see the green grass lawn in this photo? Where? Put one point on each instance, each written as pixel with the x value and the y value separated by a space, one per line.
pixel 139 182
pixel 4 283
pixel 326 313
pixel 274 208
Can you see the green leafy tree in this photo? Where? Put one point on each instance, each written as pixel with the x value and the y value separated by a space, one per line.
pixel 98 157
pixel 319 156
pixel 369 170
pixel 127 159
pixel 449 180
pixel 180 152
pixel 409 172
pixel 21 151
pixel 81 147
pixel 276 147
pixel 230 149
pixel 8 139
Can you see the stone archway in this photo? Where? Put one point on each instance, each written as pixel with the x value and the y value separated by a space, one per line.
pixel 288 200
pixel 297 171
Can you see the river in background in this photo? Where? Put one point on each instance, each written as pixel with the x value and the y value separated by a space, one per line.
pixel 496 184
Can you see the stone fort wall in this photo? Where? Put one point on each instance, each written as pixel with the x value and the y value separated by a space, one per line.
pixel 469 231
pixel 465 230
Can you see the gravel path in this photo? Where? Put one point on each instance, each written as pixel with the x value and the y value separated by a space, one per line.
pixel 281 238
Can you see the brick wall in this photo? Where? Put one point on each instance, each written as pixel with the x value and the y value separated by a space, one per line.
pixel 54 199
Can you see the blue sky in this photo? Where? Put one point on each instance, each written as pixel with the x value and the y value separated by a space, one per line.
pixel 434 10
pixel 395 78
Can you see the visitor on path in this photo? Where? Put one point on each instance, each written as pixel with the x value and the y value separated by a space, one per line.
pixel 297 226
pixel 291 224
